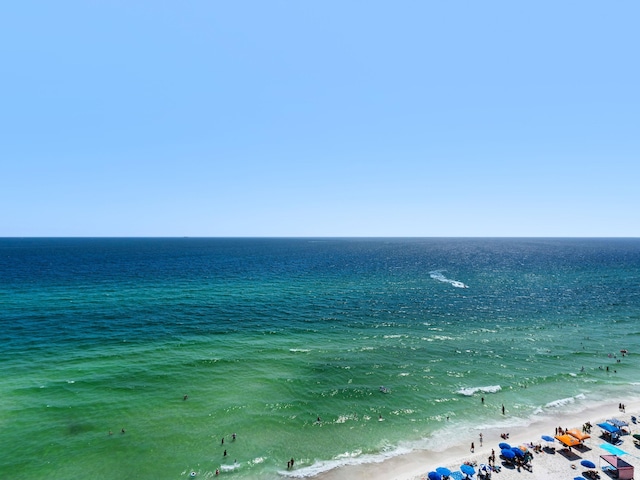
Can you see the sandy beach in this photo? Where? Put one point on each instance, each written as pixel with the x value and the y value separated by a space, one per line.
pixel 417 464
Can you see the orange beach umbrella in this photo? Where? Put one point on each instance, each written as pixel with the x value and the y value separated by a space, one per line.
pixel 574 432
pixel 568 440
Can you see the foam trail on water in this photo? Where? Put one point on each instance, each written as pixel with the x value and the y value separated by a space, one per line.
pixel 438 275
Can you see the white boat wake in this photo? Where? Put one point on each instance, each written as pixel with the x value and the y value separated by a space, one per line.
pixel 438 275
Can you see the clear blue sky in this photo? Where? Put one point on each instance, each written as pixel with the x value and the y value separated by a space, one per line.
pixel 319 118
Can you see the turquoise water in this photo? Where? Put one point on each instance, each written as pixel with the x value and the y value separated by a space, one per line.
pixel 267 335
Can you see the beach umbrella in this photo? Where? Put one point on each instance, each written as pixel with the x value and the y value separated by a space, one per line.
pixel 434 476
pixel 445 472
pixel 504 446
pixel 588 464
pixel 617 423
pixel 636 436
pixel 547 438
pixel 508 453
pixel 568 440
pixel 467 469
pixel 517 452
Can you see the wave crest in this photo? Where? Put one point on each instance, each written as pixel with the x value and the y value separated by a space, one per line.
pixel 347 458
pixel 565 401
pixel 468 392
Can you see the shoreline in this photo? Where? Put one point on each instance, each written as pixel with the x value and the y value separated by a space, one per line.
pixel 415 465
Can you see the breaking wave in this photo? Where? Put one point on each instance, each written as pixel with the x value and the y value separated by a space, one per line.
pixel 468 392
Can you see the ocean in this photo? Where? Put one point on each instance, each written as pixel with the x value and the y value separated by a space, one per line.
pixel 286 343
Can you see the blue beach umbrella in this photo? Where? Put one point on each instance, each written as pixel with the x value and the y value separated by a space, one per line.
pixel 508 453
pixel 588 464
pixel 445 472
pixel 517 452
pixel 434 476
pixel 504 446
pixel 467 469
pixel 547 438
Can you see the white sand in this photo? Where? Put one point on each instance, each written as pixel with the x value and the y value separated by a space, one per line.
pixel 416 465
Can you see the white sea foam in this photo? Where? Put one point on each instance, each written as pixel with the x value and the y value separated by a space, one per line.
pixel 564 401
pixel 472 390
pixel 229 468
pixel 438 275
pixel 348 458
pixel 299 350
pixel 440 440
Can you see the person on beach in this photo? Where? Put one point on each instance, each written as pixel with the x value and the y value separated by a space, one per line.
pixel 503 408
pixel 480 438
pixel 291 462
pixel 473 448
